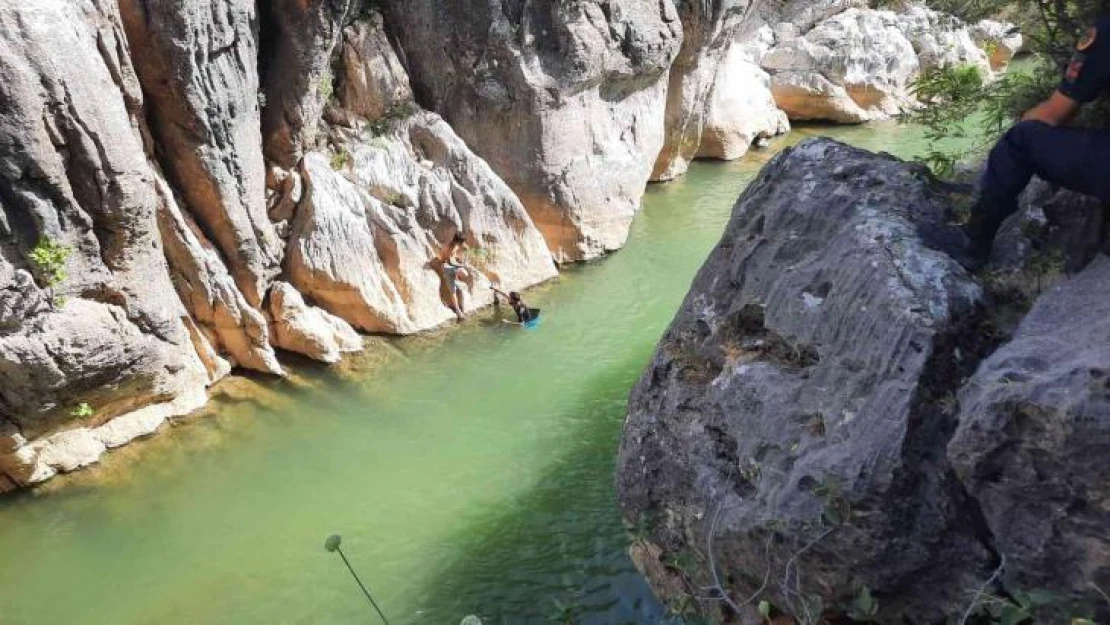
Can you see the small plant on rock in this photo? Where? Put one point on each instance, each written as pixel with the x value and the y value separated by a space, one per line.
pixel 865 607
pixel 326 87
pixel 340 160
pixel 49 259
pixel 82 410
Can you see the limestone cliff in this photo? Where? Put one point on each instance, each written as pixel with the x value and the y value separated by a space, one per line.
pixel 564 100
pixel 148 245
pixel 821 427
pixel 87 311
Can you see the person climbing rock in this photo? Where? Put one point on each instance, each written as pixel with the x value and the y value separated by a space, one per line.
pixel 454 272
pixel 525 316
pixel 1072 158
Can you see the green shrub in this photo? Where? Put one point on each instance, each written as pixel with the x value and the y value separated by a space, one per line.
pixel 340 160
pixel 82 410
pixel 49 258
pixel 395 113
pixel 959 106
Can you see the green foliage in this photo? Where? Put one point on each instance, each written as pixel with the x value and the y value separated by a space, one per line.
pixel 765 609
pixel 563 613
pixel 1020 608
pixel 82 410
pixel 326 87
pixel 340 160
pixel 395 113
pixel 958 106
pixel 837 508
pixel 685 562
pixel 49 258
pixel 865 607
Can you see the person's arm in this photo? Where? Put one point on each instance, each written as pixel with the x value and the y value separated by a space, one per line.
pixel 1057 110
pixel 499 292
pixel 1084 77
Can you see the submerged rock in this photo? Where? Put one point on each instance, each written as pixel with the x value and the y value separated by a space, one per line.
pixel 565 101
pixel 796 414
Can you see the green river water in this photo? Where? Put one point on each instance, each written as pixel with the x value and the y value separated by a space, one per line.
pixel 469 471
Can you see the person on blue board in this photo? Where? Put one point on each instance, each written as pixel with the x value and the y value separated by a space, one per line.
pixel 1041 144
pixel 525 316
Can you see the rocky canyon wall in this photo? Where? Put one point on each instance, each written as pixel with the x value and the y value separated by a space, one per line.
pixel 189 188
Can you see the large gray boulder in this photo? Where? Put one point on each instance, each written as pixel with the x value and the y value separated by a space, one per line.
pixel 792 426
pixel 519 82
pixel 198 63
pixel 1032 445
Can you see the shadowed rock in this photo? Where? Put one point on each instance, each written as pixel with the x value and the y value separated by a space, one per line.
pixel 800 405
pixel 1032 443
pixel 300 36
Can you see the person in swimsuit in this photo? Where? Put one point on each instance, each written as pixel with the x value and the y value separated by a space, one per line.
pixel 455 271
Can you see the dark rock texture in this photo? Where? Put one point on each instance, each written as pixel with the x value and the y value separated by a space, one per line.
pixel 800 405
pixel 1033 440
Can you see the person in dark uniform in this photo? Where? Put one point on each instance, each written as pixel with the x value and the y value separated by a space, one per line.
pixel 1072 158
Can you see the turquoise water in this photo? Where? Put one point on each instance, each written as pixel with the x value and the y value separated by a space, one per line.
pixel 469 471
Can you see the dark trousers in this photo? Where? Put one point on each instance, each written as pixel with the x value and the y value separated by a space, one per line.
pixel 1073 158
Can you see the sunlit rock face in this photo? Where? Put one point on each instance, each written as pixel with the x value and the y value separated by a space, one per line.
pixel 1001 41
pixel 741 109
pixel 565 101
pixel 365 241
pixel 88 314
pixel 709 28
pixel 197 62
pixel 859 65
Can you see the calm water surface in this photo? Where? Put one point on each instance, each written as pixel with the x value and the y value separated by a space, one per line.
pixel 469 471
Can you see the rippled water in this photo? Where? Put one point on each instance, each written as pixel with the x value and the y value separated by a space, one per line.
pixel 469 471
